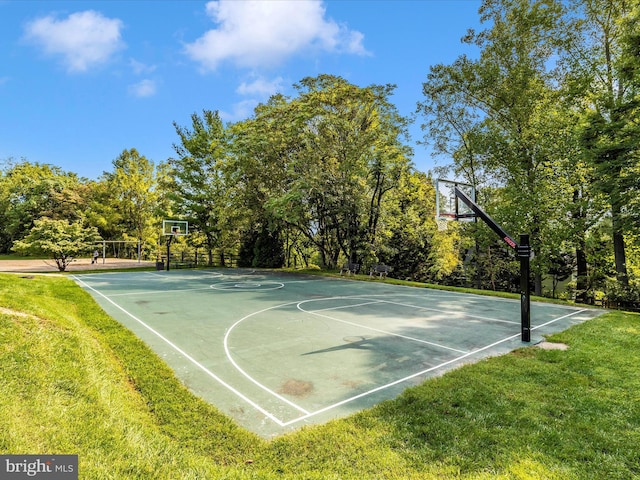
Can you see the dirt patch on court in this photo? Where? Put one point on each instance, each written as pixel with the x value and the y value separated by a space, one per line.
pixel 351 384
pixel 296 388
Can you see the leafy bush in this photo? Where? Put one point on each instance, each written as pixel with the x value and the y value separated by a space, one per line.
pixel 622 296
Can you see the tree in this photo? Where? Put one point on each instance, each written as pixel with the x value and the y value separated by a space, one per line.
pixel 30 191
pixel 409 240
pixel 264 147
pixel 195 180
pixel 323 162
pixel 133 194
pixel 102 211
pixel 498 109
pixel 61 240
pixel 605 75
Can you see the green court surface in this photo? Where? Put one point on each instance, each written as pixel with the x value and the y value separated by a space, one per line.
pixel 277 351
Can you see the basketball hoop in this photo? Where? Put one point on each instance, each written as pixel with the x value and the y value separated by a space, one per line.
pixel 175 227
pixel 448 206
pixel 442 224
pixel 442 221
pixel 172 229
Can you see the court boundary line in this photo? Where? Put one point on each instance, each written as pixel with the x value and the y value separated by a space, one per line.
pixel 187 356
pixel 437 291
pixel 156 292
pixel 374 390
pixel 227 352
pixel 423 372
pixel 230 286
pixel 307 414
pixel 470 315
pixel 401 380
pixel 347 322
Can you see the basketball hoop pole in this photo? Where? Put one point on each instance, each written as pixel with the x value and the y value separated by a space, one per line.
pixel 172 229
pixel 169 240
pixel 524 254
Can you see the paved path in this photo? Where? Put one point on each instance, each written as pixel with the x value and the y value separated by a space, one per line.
pixel 77 265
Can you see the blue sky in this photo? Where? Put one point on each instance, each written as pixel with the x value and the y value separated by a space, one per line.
pixel 81 81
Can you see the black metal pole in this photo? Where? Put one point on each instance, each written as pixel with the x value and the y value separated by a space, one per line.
pixel 486 218
pixel 524 253
pixel 169 239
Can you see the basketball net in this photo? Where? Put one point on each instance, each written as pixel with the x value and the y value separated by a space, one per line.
pixel 443 219
pixel 442 224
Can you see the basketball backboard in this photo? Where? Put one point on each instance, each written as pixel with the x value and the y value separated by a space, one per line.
pixel 175 227
pixel 448 205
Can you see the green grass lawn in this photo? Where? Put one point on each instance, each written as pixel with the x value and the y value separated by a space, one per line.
pixel 75 381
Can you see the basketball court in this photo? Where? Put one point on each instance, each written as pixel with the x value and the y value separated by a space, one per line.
pixel 277 351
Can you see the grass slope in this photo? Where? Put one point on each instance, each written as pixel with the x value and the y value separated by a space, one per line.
pixel 74 381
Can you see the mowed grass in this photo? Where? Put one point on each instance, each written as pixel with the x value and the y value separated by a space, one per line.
pixel 73 380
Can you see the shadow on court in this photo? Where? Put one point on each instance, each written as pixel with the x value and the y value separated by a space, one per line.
pixel 279 351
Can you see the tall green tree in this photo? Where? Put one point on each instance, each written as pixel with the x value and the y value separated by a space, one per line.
pixel 132 190
pixel 605 73
pixel 498 108
pixel 410 241
pixel 334 153
pixel 195 180
pixel 102 212
pixel 267 148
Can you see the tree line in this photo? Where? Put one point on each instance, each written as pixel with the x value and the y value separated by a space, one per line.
pixel 547 117
pixel 543 120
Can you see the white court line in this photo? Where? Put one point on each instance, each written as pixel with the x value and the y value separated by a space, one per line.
pixel 339 307
pixel 287 282
pixel 420 307
pixel 154 274
pixel 307 414
pixel 560 318
pixel 231 286
pixel 298 303
pixel 245 374
pixel 205 272
pixel 155 292
pixel 177 276
pixel 396 382
pixel 431 292
pixel 188 357
pixel 449 312
pixel 406 337
pixel 422 372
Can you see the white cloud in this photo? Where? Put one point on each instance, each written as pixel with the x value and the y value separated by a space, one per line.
pixel 140 68
pixel 241 111
pixel 260 87
pixel 83 39
pixel 144 88
pixel 256 33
